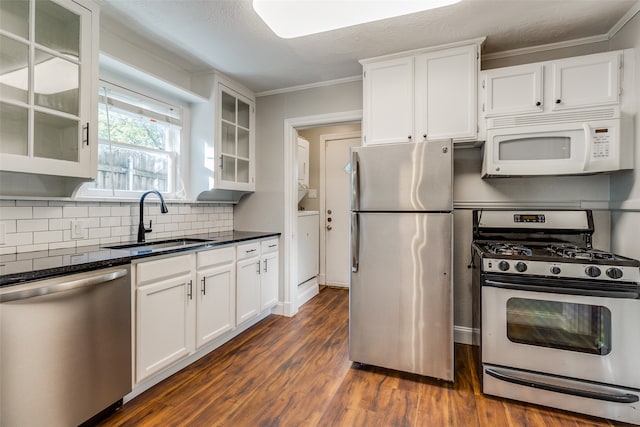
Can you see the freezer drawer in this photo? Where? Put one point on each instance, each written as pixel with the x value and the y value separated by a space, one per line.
pixel 400 307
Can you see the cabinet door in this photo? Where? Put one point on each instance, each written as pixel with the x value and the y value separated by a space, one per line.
pixel 446 87
pixel 513 90
pixel 586 80
pixel 235 142
pixel 48 108
pixel 216 303
pixel 164 324
pixel 269 280
pixel 388 101
pixel 247 289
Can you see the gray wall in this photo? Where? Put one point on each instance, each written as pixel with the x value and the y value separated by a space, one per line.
pixel 625 186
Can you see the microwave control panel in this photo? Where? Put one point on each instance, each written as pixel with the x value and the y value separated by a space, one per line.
pixel 602 138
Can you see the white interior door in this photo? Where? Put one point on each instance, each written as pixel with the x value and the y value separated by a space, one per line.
pixel 336 213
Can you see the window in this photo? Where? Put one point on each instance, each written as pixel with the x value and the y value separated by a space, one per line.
pixel 139 145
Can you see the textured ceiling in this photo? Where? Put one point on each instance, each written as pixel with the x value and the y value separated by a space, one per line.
pixel 228 36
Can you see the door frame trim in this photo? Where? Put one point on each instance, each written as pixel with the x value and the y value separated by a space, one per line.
pixel 289 304
pixel 323 195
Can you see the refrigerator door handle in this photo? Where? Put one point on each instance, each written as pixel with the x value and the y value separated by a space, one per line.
pixel 355 242
pixel 355 181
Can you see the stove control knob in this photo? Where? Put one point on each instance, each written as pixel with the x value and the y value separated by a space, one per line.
pixel 592 271
pixel 555 270
pixel 503 265
pixel 521 267
pixel 614 273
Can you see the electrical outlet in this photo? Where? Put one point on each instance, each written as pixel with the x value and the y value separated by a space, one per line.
pixel 78 229
pixel 313 193
pixel 3 234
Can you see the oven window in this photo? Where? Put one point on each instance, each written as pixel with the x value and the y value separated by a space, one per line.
pixel 567 326
pixel 535 148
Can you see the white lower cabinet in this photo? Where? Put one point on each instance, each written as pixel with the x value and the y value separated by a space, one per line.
pixel 164 313
pixel 216 295
pixel 248 281
pixel 257 280
pixel 188 301
pixel 269 274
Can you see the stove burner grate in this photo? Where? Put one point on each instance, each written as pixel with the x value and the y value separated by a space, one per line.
pixel 576 252
pixel 509 249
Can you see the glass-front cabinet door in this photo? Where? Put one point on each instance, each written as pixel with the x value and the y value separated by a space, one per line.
pixel 235 136
pixel 47 60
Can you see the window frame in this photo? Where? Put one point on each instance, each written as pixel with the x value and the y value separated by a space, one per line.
pixel 178 158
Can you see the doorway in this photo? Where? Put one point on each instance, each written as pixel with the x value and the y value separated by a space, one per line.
pixel 334 242
pixel 291 126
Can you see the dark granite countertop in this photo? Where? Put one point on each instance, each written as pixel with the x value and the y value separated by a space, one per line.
pixel 28 266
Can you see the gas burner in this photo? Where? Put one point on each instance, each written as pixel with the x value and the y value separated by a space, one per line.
pixel 576 252
pixel 508 249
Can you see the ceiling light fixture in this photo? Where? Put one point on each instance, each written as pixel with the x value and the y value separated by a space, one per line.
pixel 295 18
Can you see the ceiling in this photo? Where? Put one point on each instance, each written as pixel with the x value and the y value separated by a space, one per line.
pixel 227 35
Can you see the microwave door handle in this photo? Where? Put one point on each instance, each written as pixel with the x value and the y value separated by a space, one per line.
pixel 587 148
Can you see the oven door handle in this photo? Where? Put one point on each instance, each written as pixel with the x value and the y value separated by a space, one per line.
pixel 564 290
pixel 609 397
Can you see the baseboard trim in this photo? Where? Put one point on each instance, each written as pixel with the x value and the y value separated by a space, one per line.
pixel 307 290
pixel 466 335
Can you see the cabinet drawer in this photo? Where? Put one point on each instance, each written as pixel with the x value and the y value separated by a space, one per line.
pixel 215 257
pixel 248 250
pixel 163 268
pixel 269 246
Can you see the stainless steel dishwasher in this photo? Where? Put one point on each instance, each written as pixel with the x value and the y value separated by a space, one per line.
pixel 65 348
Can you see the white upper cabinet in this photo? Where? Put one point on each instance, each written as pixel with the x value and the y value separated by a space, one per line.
pixel 388 101
pixel 586 80
pixel 235 121
pixel 48 85
pixel 578 82
pixel 446 87
pixel 513 90
pixel 422 95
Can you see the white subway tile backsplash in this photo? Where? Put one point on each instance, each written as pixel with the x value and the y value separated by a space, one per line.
pixel 47 236
pixel 14 212
pixel 41 225
pixel 60 224
pixel 33 248
pixel 32 225
pixel 19 239
pixel 47 212
pixel 99 233
pixel 99 211
pixel 75 211
pixel 110 221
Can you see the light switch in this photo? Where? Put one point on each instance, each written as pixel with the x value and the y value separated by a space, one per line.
pixel 313 193
pixel 3 234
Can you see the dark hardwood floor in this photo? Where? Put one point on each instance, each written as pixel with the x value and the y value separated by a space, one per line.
pixel 296 372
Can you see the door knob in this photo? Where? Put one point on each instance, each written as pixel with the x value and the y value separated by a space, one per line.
pixel 329 227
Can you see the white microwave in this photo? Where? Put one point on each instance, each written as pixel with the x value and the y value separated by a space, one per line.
pixel 573 148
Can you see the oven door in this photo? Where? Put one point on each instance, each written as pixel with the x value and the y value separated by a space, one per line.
pixel 587 334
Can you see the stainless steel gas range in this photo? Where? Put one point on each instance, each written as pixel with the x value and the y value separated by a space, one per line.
pixel 559 319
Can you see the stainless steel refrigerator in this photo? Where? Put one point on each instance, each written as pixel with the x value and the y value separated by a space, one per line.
pixel 401 286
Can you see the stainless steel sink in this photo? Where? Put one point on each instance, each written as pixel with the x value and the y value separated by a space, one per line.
pixel 162 245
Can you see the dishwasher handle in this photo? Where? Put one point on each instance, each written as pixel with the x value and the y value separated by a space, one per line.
pixel 63 286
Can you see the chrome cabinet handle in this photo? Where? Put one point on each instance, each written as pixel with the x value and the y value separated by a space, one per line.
pixel 62 287
pixel 258 267
pixel 203 289
pixel 190 289
pixel 265 265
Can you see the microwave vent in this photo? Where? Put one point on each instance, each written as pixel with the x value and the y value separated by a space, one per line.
pixel 561 117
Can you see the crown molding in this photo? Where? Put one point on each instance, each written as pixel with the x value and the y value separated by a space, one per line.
pixel 310 86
